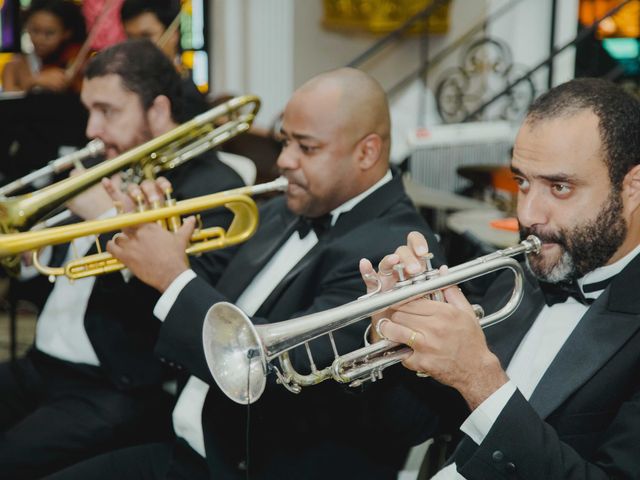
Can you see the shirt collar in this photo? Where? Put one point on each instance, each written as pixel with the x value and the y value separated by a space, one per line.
pixel 607 271
pixel 352 202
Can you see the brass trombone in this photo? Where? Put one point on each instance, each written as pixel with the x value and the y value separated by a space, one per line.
pixel 239 354
pixel 94 148
pixel 162 153
pixel 243 225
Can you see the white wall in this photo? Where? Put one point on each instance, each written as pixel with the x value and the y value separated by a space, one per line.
pixel 269 47
pixel 318 49
pixel 527 31
pixel 253 52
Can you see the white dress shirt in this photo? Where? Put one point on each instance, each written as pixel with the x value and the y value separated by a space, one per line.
pixel 187 414
pixel 534 355
pixel 60 330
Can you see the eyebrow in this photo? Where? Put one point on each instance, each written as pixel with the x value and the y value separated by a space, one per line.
pixel 101 105
pixel 299 136
pixel 558 177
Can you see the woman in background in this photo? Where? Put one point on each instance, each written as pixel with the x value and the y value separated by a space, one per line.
pixel 57 31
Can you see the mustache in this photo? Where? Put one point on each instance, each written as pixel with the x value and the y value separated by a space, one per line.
pixel 545 237
pixel 291 178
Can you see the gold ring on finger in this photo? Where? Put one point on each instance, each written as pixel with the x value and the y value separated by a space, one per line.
pixel 412 339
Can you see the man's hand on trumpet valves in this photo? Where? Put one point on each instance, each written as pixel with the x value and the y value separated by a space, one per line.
pixel 448 344
pixel 447 341
pixel 93 202
pixel 154 255
pixel 149 192
pixel 384 279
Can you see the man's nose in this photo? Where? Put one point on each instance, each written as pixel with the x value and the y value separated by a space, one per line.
pixel 287 160
pixel 94 129
pixel 533 209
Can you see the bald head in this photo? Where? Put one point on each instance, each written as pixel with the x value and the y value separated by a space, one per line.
pixel 335 135
pixel 359 104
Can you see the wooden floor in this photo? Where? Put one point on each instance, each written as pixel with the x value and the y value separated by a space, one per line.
pixel 25 325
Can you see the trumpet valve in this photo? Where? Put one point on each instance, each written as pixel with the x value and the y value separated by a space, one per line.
pixel 156 204
pixel 173 222
pixel 140 203
pixel 402 278
pixel 426 259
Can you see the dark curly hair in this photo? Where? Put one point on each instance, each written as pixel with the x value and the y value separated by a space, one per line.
pixel 67 11
pixel 144 70
pixel 618 113
pixel 164 10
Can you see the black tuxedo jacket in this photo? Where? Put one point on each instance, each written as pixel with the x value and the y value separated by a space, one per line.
pixel 119 317
pixel 326 431
pixel 583 418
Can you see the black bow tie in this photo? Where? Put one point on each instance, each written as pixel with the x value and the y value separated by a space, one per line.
pixel 560 292
pixel 320 225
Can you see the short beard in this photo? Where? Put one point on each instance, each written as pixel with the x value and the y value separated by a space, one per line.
pixel 585 247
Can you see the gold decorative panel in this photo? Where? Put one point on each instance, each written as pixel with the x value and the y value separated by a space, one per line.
pixel 382 16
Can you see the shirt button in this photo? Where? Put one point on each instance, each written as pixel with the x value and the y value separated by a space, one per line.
pixel 497 456
pixel 510 467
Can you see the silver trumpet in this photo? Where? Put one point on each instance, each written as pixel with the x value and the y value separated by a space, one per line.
pixel 239 354
pixel 74 159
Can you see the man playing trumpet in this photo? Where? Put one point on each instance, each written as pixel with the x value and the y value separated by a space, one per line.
pixel 303 258
pixel 553 391
pixel 91 382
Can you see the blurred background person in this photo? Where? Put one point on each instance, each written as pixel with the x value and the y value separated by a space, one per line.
pixel 103 19
pixel 159 21
pixel 57 30
pixel 90 381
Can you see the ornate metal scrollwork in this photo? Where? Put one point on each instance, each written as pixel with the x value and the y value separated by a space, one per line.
pixel 486 68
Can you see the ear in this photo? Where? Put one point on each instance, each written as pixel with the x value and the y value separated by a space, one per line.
pixel 369 150
pixel 631 188
pixel 159 115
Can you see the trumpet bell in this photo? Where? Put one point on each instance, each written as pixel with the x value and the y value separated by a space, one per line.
pixel 232 348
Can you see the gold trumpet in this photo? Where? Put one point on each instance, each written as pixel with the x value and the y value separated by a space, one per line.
pixel 239 354
pixel 162 153
pixel 243 225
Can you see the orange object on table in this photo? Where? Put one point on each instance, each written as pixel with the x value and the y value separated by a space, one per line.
pixel 509 223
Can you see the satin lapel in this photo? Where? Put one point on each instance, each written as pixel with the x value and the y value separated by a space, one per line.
pixel 267 305
pixel 255 254
pixel 503 338
pixel 371 207
pixel 602 331
pixel 599 335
